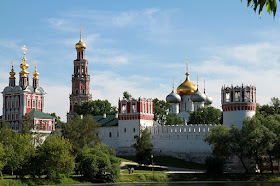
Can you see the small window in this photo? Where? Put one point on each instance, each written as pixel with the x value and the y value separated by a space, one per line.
pixel 123 108
pixel 124 129
pixel 33 103
pixel 12 104
pixel 12 116
pixel 110 134
pixel 133 108
pixel 134 129
pixel 117 134
pixel 39 104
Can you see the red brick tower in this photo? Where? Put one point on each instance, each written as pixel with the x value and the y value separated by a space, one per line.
pixel 80 80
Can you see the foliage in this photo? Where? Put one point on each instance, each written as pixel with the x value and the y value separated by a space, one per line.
pixel 127 96
pixel 173 119
pixel 58 122
pixel 27 125
pixel 271 5
pixel 143 147
pixel 209 115
pixel 99 163
pixel 214 165
pixel 160 108
pixel 81 132
pixel 96 107
pixel 56 156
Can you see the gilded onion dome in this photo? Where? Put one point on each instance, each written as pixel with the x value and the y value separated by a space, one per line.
pixel 24 65
pixel 187 88
pixel 173 97
pixel 80 45
pixel 198 97
pixel 12 73
pixel 36 73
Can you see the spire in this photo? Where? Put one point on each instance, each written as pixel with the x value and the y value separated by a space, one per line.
pixel 80 32
pixel 24 65
pixel 187 66
pixel 173 83
pixel 197 80
pixel 204 86
pixel 36 73
pixel 12 73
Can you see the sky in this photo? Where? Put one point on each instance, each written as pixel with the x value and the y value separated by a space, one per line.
pixel 138 46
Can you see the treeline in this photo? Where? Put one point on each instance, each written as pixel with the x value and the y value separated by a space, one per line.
pixel 23 153
pixel 256 143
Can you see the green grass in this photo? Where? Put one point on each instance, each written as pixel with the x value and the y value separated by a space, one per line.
pixel 170 162
pixel 144 171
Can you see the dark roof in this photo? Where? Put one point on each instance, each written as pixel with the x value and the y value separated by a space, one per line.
pixel 109 121
pixel 38 114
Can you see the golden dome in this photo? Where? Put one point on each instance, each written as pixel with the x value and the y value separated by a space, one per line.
pixel 80 45
pixel 12 73
pixel 187 88
pixel 36 73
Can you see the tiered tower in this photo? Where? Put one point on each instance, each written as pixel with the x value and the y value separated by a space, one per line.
pixel 80 80
pixel 238 103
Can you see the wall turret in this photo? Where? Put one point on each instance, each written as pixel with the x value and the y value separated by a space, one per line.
pixel 238 103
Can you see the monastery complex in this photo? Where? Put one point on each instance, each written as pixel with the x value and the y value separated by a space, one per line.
pixel 184 141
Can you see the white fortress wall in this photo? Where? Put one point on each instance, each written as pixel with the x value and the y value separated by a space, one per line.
pixel 109 136
pixel 182 141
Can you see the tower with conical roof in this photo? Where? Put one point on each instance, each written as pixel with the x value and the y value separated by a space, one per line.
pixel 80 80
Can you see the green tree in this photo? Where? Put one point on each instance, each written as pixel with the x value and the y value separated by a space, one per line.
pixel 160 109
pixel 56 157
pixel 96 107
pixel 58 121
pixel 227 143
pixel 209 115
pixel 27 125
pixel 99 163
pixel 3 159
pixel 173 119
pixel 271 5
pixel 143 147
pixel 127 96
pixel 81 132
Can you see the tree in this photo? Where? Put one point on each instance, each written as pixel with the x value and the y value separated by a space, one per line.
pixel 126 95
pixel 227 143
pixel 99 163
pixel 3 160
pixel 173 119
pixel 209 115
pixel 96 107
pixel 160 109
pixel 81 132
pixel 271 5
pixel 59 123
pixel 27 125
pixel 143 147
pixel 56 156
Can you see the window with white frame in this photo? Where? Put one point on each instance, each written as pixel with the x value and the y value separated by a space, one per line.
pixel 12 104
pixel 8 104
pixel 28 102
pixel 123 108
pixel 39 104
pixel 34 103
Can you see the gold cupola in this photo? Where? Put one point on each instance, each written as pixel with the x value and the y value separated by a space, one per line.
pixel 12 73
pixel 187 88
pixel 36 73
pixel 80 45
pixel 24 65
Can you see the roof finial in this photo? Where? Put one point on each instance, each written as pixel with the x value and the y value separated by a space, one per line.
pixel 36 73
pixel 204 86
pixel 187 66
pixel 80 32
pixel 12 73
pixel 24 50
pixel 173 83
pixel 197 80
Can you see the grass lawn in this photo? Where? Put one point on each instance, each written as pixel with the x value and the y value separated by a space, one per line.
pixel 171 162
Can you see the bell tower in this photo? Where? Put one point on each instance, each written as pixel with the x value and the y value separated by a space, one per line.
pixel 80 79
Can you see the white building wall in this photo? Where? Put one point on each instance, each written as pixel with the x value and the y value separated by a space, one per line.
pixel 109 136
pixel 186 107
pixel 236 117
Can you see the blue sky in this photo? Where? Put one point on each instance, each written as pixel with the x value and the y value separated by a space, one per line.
pixel 137 46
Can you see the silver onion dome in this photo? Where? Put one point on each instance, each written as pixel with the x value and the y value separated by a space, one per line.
pixel 198 96
pixel 209 100
pixel 173 98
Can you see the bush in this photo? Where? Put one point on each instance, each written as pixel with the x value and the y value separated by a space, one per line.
pixel 99 163
pixel 214 165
